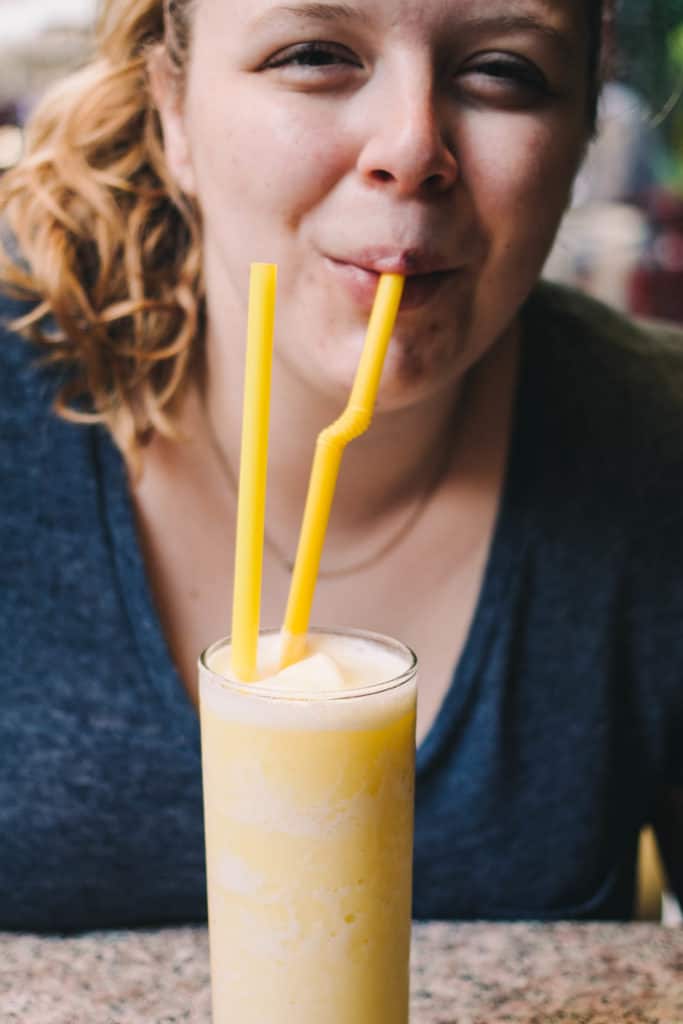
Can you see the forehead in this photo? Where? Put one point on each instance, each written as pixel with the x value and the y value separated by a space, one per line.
pixel 396 11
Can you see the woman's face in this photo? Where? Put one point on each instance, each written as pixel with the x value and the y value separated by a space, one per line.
pixel 437 138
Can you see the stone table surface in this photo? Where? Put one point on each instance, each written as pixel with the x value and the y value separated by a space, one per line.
pixel 461 974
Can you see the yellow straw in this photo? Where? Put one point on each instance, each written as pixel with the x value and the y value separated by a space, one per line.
pixel 251 504
pixel 329 449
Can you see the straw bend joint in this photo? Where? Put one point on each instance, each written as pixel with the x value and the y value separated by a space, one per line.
pixel 351 424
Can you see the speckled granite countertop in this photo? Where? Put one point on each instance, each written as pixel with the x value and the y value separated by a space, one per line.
pixel 462 974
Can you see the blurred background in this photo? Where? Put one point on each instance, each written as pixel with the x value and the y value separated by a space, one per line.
pixel 622 239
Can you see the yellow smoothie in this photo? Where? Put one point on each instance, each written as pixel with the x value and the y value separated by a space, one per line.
pixel 308 798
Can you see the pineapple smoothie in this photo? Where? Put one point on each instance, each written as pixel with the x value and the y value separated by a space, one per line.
pixel 308 797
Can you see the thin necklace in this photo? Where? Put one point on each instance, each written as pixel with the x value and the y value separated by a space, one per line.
pixel 417 509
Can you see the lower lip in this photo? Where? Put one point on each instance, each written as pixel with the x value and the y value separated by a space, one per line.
pixel 362 285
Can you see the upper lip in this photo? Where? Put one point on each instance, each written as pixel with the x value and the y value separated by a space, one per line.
pixel 410 261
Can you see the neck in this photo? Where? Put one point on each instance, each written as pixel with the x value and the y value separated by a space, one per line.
pixel 384 471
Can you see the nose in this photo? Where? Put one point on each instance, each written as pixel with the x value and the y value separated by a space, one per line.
pixel 408 148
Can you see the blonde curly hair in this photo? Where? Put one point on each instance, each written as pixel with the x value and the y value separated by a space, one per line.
pixel 109 250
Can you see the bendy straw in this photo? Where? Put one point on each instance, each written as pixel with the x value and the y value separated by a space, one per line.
pixel 251 503
pixel 329 449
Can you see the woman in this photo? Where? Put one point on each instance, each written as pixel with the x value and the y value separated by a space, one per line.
pixel 504 516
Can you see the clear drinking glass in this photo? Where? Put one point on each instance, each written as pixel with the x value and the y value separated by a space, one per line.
pixel 308 802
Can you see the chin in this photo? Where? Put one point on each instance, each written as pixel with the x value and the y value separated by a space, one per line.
pixel 420 361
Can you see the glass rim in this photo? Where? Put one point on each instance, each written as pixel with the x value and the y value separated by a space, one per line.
pixel 272 693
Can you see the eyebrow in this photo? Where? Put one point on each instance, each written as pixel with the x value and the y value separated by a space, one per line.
pixel 313 11
pixel 509 23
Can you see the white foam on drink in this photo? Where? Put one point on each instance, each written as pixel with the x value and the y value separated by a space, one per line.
pixel 318 691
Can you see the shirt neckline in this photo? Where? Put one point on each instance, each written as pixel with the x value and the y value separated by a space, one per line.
pixel 505 552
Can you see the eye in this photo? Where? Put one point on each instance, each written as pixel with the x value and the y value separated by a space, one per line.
pixel 504 77
pixel 313 56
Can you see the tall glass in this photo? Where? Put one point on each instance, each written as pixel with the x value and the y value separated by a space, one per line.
pixel 308 802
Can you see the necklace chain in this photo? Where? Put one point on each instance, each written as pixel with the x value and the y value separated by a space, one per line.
pixel 415 513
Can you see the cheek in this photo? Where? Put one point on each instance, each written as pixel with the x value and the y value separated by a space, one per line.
pixel 520 171
pixel 311 156
pixel 269 164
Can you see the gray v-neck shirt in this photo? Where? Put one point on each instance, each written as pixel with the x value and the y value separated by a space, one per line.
pixel 565 712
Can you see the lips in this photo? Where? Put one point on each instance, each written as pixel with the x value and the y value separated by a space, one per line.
pixel 425 275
